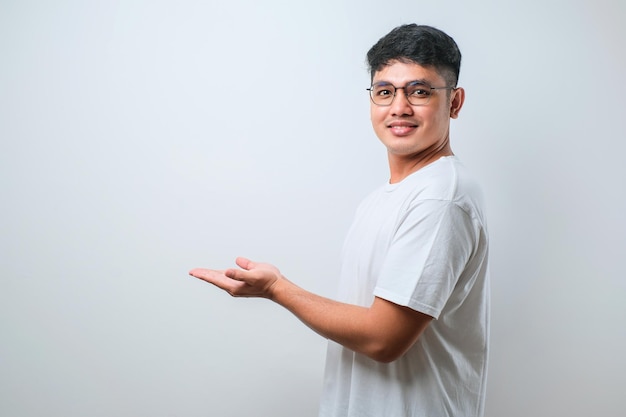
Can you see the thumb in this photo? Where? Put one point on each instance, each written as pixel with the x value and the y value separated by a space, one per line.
pixel 245 263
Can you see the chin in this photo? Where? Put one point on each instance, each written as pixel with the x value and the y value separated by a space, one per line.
pixel 402 147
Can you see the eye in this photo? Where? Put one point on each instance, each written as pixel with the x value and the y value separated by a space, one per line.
pixel 383 91
pixel 418 90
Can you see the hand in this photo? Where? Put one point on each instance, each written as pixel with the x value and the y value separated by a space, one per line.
pixel 253 280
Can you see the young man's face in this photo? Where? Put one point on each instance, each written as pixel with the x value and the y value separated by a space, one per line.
pixel 413 131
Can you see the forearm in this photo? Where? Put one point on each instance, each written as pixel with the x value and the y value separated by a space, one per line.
pixel 352 326
pixel 382 331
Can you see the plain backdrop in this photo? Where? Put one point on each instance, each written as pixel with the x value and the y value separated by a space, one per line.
pixel 140 139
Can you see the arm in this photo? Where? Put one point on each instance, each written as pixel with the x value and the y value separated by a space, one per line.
pixel 383 332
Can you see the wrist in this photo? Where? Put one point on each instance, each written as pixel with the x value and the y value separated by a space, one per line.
pixel 278 288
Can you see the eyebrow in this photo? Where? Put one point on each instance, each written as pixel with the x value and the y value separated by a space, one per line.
pixel 418 81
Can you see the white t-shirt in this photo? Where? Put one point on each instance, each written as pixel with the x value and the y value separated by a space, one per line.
pixel 420 243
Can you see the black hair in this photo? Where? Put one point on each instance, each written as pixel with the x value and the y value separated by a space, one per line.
pixel 419 44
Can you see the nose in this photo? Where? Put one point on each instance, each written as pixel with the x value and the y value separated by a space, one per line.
pixel 400 105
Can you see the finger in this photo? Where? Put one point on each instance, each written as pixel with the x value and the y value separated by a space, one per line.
pixel 244 263
pixel 198 272
pixel 238 274
pixel 217 278
pixel 208 275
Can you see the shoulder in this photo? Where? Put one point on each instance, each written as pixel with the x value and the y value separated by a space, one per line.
pixel 440 180
pixel 447 180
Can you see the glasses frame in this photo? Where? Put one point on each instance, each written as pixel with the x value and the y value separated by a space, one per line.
pixel 395 90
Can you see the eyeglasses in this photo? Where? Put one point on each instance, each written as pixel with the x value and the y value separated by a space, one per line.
pixel 417 93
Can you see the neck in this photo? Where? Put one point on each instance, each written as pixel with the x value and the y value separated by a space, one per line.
pixel 401 166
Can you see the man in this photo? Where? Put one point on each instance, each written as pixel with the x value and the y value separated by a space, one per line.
pixel 409 334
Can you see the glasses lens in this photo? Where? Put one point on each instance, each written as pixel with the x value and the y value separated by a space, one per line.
pixel 382 93
pixel 418 93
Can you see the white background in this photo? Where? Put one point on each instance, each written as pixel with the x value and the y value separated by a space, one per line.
pixel 140 139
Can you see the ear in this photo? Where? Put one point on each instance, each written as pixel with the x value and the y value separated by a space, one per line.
pixel 456 102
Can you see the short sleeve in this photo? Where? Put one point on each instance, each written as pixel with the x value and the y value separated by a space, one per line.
pixel 428 252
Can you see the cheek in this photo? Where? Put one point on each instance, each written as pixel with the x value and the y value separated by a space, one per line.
pixel 436 118
pixel 373 113
pixel 377 119
pixel 378 114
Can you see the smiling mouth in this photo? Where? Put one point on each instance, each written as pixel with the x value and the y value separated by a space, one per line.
pixel 402 125
pixel 401 129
